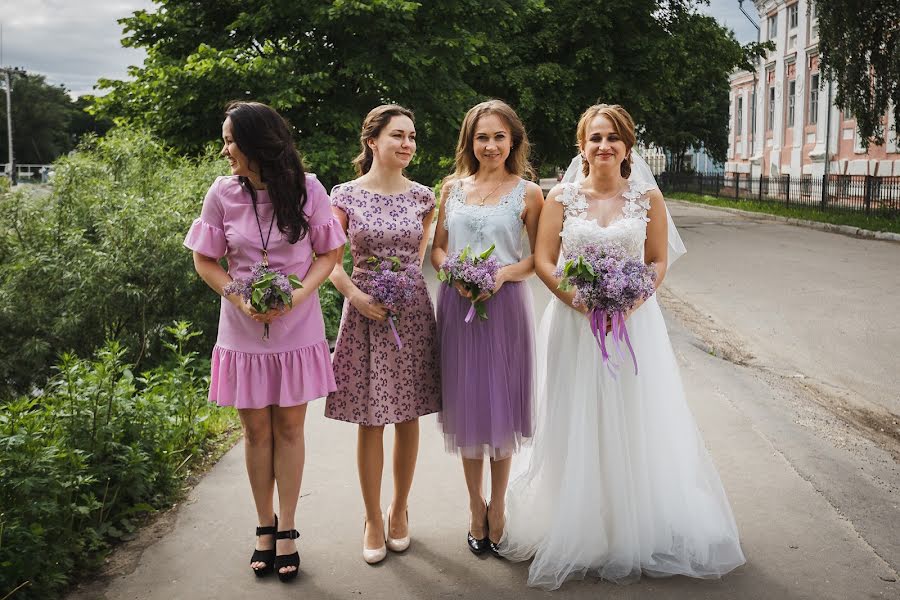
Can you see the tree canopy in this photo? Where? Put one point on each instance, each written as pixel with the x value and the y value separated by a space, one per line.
pixel 41 117
pixel 859 49
pixel 324 64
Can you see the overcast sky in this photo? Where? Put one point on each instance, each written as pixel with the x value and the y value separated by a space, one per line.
pixel 76 42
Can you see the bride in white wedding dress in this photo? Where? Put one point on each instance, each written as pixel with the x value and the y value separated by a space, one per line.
pixel 618 481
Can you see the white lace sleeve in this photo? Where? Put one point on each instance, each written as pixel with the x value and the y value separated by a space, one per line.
pixel 455 190
pixel 637 202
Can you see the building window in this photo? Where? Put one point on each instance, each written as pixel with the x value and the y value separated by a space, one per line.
pixel 770 122
pixel 847 114
pixel 740 115
pixel 814 99
pixel 773 26
pixel 792 95
pixel 793 15
pixel 813 22
pixel 753 112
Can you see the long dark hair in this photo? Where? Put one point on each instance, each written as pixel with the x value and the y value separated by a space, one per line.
pixel 375 121
pixel 265 138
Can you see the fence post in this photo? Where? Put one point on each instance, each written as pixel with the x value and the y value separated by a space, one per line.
pixel 759 189
pixel 700 178
pixel 867 193
pixel 824 192
pixel 717 185
pixel 737 184
pixel 787 190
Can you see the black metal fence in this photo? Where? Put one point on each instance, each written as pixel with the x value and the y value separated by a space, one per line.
pixel 849 193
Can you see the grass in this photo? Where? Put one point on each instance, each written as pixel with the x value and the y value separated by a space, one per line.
pixel 872 222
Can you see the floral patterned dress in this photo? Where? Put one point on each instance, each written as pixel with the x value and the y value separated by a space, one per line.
pixel 377 382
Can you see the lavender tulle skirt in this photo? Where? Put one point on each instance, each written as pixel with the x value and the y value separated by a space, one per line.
pixel 487 370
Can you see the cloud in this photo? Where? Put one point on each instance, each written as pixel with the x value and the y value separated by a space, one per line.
pixel 72 42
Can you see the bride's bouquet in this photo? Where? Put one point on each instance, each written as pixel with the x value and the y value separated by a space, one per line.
pixel 476 273
pixel 392 285
pixel 267 289
pixel 608 283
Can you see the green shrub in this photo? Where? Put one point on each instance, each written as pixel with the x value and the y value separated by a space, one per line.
pixel 96 450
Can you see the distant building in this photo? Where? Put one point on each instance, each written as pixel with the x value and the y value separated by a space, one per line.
pixel 780 119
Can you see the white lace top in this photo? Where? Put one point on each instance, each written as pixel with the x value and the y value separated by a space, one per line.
pixel 628 230
pixel 480 226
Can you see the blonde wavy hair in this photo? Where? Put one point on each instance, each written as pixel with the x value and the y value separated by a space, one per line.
pixel 623 125
pixel 516 163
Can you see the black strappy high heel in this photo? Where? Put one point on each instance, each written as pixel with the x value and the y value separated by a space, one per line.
pixel 265 556
pixel 287 560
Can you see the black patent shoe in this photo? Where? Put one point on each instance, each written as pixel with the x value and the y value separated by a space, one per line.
pixel 265 556
pixel 287 560
pixel 477 546
pixel 493 547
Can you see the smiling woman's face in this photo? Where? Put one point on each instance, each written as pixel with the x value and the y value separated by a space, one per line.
pixel 240 164
pixel 492 141
pixel 603 146
pixel 395 145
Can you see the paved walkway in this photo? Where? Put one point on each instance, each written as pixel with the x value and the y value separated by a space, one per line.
pixel 797 544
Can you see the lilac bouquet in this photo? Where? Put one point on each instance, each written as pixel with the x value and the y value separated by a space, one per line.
pixel 267 289
pixel 609 283
pixel 476 272
pixel 392 285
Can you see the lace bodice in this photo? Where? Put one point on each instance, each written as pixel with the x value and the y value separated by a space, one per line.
pixel 480 226
pixel 628 230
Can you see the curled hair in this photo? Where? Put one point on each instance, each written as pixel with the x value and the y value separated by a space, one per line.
pixel 373 124
pixel 265 138
pixel 623 125
pixel 516 163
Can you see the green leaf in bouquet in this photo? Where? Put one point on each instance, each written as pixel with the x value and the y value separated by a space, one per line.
pixel 372 261
pixel 256 297
pixel 443 276
pixel 285 297
pixel 484 255
pixel 295 282
pixel 481 311
pixel 395 263
pixel 564 285
pixel 465 253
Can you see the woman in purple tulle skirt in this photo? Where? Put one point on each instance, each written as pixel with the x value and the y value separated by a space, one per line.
pixel 487 364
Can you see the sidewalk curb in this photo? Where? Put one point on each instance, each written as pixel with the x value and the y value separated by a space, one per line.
pixel 885 236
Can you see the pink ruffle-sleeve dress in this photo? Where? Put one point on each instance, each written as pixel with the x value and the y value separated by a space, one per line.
pixel 293 365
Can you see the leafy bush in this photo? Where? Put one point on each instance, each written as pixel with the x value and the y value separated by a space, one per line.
pixel 99 448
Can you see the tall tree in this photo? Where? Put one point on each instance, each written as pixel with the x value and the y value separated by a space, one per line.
pixel 859 47
pixel 41 117
pixel 690 89
pixel 322 63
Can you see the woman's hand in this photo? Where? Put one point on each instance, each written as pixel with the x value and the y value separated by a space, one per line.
pixel 251 312
pixel 499 280
pixel 462 290
pixel 367 306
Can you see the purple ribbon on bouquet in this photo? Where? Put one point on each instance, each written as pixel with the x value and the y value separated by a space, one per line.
pixel 394 329
pixel 619 333
pixel 471 314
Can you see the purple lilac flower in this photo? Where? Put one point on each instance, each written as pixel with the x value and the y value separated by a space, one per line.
pixel 476 272
pixel 266 289
pixel 609 283
pixel 392 285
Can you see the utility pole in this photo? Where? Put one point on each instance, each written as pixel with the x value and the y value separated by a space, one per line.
pixel 9 125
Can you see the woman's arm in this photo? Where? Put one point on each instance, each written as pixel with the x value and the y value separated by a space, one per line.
pixel 656 247
pixel 361 301
pixel 547 247
pixel 211 272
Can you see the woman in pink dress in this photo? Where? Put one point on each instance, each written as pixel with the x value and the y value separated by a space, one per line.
pixel 379 383
pixel 268 211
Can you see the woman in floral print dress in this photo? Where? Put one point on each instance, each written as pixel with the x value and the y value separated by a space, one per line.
pixel 384 215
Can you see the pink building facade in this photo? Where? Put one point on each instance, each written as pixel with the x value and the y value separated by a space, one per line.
pixel 781 120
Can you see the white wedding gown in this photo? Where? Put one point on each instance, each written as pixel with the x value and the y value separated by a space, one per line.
pixel 618 481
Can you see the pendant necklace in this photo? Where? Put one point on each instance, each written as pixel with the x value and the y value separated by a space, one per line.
pixel 264 242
